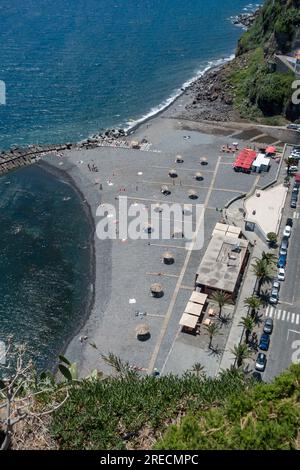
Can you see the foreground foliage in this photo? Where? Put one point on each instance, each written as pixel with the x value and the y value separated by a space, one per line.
pixel 264 417
pixel 131 412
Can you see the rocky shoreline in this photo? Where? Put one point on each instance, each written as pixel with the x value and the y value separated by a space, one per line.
pixel 211 97
pixel 245 20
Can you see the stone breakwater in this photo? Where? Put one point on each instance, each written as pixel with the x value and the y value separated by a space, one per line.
pixel 19 157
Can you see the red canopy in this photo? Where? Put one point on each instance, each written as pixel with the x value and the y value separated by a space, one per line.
pixel 271 149
pixel 244 159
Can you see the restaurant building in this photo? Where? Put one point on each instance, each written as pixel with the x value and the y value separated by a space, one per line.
pixel 224 262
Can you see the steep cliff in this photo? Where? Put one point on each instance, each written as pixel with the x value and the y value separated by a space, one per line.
pixel 260 88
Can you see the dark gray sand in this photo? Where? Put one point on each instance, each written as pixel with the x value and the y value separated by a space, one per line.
pixel 125 269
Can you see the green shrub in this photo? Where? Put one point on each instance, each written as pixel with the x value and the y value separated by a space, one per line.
pixel 263 418
pixel 99 413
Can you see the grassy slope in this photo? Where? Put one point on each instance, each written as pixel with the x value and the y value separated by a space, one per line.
pixel 99 413
pixel 230 412
pixel 263 418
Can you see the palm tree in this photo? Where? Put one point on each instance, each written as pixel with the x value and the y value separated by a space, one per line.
pixel 262 271
pixel 212 330
pixel 198 369
pixel 254 303
pixel 272 238
pixel 248 324
pixel 221 298
pixel 241 353
pixel 269 258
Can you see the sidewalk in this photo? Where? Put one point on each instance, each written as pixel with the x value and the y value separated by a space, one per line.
pixel 234 215
pixel 241 310
pixel 247 288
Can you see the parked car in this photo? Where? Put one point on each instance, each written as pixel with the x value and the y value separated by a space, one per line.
pixel 292 126
pixel 297 179
pixel 268 326
pixel 293 203
pixel 287 231
pixel 284 246
pixel 264 342
pixel 281 261
pixel 257 376
pixel 281 274
pixel 289 222
pixel 292 169
pixel 274 297
pixel 275 284
pixel 283 251
pixel 261 362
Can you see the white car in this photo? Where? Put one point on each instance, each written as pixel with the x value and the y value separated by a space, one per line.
pixel 281 274
pixel 292 169
pixel 287 231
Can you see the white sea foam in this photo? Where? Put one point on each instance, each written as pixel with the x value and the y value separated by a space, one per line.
pixel 165 104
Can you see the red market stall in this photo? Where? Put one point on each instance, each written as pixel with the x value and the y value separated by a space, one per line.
pixel 244 160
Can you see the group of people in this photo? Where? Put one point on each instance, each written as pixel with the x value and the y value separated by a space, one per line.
pixel 92 167
pixel 230 149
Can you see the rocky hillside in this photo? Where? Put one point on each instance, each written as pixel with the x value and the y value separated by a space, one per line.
pixel 274 28
pixel 250 87
pixel 259 89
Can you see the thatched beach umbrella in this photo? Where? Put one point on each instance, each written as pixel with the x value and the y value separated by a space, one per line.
pixel 173 173
pixel 142 331
pixel 203 161
pixel 165 190
pixel 168 257
pixel 199 176
pixel 156 290
pixel 192 194
pixel 179 159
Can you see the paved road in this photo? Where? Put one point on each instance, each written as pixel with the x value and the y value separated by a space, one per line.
pixel 285 339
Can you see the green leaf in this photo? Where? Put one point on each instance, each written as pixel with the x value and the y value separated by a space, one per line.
pixel 2 385
pixel 65 372
pixel 64 359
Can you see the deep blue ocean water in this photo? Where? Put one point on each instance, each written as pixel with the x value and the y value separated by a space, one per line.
pixel 72 68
